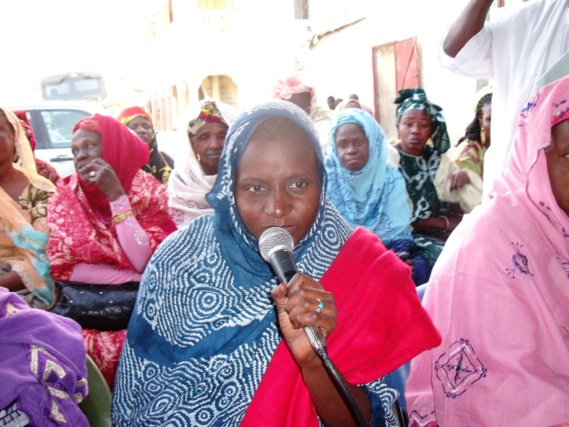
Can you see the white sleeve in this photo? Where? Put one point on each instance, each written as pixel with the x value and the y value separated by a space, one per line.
pixel 474 59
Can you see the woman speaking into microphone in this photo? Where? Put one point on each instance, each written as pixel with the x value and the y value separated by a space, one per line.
pixel 216 340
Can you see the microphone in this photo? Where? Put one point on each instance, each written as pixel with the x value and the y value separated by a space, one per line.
pixel 276 247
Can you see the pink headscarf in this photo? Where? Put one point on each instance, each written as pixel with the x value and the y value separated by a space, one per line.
pixel 285 89
pixel 499 295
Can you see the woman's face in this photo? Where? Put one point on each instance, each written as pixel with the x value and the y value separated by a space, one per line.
pixel 414 130
pixel 558 164
pixel 143 128
pixel 277 184
pixel 486 120
pixel 208 143
pixel 7 140
pixel 352 146
pixel 85 147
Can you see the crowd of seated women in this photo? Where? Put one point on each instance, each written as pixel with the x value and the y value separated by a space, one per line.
pixel 103 224
pixel 369 221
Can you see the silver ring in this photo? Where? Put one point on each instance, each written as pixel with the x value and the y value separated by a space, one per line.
pixel 92 174
pixel 320 305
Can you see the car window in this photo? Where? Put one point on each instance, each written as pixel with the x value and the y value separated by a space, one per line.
pixel 59 125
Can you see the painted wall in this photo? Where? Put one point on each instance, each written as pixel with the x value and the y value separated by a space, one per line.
pixel 260 42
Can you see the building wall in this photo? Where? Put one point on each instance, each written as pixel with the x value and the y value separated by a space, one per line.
pixel 257 42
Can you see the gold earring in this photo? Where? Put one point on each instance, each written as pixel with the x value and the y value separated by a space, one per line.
pixel 482 136
pixel 198 157
pixel 16 157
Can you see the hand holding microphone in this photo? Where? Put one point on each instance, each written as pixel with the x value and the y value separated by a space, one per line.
pixel 305 301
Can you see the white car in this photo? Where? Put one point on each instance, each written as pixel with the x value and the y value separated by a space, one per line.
pixel 53 124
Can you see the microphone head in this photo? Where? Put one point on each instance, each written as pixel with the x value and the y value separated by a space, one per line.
pixel 274 239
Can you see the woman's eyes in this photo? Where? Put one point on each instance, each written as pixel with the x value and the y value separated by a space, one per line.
pixel 255 188
pixel 298 184
pixel 345 145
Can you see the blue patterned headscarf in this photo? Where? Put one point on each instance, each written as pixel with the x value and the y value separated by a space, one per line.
pixel 375 196
pixel 416 99
pixel 228 225
pixel 204 328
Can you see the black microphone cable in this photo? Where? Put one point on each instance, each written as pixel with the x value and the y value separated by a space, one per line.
pixel 276 246
pixel 318 343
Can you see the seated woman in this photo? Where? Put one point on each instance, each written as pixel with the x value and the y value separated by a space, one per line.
pixel 119 217
pixel 366 189
pixel 418 122
pixel 43 168
pixel 212 346
pixel 139 121
pixel 499 293
pixel 194 177
pixel 24 194
pixel 472 147
pixel 460 178
pixel 43 366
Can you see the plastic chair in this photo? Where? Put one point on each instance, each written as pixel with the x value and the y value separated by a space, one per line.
pixel 97 405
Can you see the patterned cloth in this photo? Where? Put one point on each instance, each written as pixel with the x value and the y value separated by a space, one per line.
pixel 43 168
pixel 374 197
pixel 43 364
pixel 205 330
pixel 188 183
pixel 93 240
pixel 419 172
pixel 23 229
pixel 499 295
pixel 160 164
pixel 91 237
pixel 471 156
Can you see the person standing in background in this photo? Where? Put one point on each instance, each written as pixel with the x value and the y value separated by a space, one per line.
pixel 514 52
pixel 296 90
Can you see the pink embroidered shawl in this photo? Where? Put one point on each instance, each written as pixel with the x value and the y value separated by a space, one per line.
pixel 499 295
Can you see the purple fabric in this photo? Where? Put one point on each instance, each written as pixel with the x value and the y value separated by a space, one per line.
pixel 42 363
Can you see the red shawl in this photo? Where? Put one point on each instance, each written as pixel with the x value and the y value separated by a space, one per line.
pixel 380 326
pixel 78 235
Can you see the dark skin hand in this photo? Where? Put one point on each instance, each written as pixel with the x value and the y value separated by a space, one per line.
pixel 11 281
pixel 458 180
pixel 468 24
pixel 438 223
pixel 296 305
pixel 105 178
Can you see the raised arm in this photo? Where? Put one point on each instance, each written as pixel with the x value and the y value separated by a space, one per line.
pixel 468 24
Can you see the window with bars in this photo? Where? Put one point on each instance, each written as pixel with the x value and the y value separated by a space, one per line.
pixel 301 9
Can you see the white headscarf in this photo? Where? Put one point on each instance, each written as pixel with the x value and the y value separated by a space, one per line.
pixel 188 184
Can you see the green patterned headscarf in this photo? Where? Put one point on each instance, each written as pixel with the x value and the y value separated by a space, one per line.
pixel 416 99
